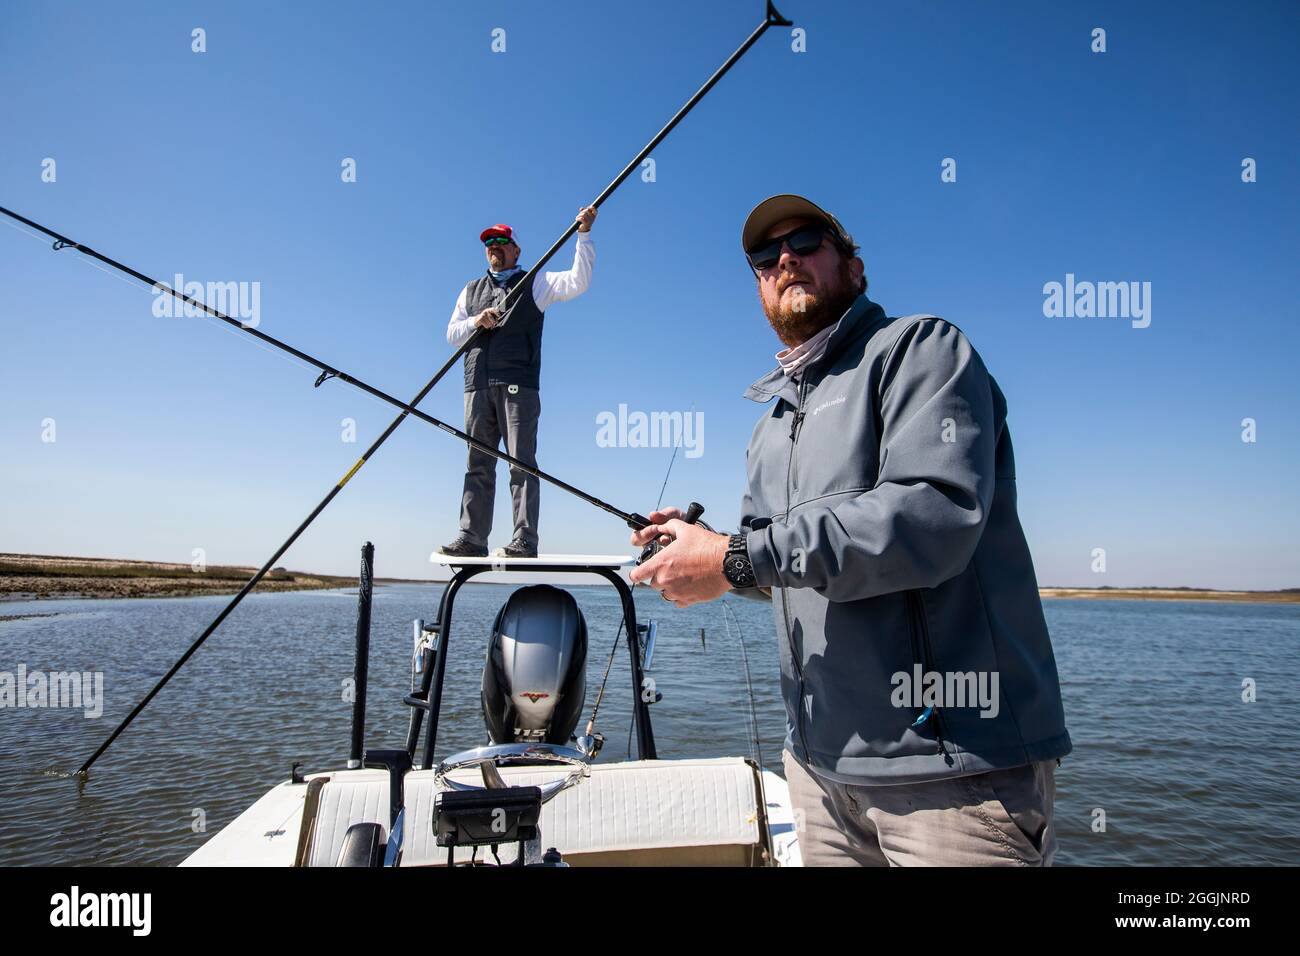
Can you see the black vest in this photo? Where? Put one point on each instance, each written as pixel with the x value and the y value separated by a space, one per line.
pixel 511 354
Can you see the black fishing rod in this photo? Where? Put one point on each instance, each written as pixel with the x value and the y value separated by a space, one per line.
pixel 633 520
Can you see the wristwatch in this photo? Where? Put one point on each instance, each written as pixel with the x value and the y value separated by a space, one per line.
pixel 736 566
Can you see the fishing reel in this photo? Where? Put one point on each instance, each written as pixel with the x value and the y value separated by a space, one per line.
pixel 692 516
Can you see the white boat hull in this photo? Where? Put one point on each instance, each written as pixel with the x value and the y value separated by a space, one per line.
pixel 661 812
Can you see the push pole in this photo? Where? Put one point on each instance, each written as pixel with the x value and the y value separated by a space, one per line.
pixel 772 18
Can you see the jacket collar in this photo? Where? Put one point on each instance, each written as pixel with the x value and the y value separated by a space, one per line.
pixel 857 319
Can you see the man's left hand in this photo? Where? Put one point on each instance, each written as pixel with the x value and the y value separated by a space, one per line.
pixel 687 571
pixel 586 216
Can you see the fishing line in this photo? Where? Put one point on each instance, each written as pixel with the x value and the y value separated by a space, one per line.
pixel 753 709
pixel 749 684
pixel 671 460
pixel 600 694
pixel 208 319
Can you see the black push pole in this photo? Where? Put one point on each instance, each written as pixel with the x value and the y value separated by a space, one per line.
pixel 360 669
pixel 252 582
pixel 772 18
pixel 632 519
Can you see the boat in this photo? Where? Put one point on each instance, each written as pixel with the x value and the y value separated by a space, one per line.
pixel 536 793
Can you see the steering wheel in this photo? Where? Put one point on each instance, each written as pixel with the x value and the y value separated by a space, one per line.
pixel 488 759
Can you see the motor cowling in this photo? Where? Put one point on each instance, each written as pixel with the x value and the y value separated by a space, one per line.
pixel 535 677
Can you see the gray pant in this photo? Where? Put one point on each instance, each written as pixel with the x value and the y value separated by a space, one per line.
pixel 491 414
pixel 999 818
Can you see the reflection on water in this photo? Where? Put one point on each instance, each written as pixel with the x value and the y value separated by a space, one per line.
pixel 1186 773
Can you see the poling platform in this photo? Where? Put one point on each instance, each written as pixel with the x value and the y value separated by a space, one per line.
pixel 569 561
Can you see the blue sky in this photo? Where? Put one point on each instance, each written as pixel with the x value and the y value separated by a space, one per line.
pixel 175 434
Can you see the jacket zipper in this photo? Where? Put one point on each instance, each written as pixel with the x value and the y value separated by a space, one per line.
pixel 785 604
pixel 917 603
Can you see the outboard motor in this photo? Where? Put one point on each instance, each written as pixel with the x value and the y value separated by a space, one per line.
pixel 535 678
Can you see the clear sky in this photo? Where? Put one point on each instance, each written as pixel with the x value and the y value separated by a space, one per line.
pixel 1125 166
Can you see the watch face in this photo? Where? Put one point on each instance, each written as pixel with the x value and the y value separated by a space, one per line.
pixel 739 571
pixel 736 566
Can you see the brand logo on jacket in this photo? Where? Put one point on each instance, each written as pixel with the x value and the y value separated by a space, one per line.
pixel 834 401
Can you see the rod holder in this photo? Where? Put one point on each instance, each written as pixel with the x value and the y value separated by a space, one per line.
pixel 360 669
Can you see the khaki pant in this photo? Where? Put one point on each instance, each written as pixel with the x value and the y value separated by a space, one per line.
pixel 999 818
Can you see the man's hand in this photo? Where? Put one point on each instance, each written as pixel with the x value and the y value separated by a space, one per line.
pixel 487 319
pixel 586 216
pixel 689 568
pixel 647 534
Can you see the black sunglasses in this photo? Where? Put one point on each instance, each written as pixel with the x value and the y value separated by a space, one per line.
pixel 498 241
pixel 803 241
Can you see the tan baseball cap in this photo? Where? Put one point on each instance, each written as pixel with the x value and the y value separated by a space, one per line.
pixel 788 206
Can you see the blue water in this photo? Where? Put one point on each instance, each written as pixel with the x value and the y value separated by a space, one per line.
pixel 1185 771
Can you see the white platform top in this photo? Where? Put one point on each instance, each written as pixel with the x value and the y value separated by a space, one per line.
pixel 505 564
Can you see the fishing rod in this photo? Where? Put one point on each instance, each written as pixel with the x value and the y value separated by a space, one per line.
pixel 633 520
pixel 771 18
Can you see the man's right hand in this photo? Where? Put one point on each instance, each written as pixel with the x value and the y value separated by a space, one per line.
pixel 645 535
pixel 487 319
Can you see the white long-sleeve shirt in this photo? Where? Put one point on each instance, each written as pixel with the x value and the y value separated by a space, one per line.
pixel 548 288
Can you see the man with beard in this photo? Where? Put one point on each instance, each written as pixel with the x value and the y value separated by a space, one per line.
pixel 503 378
pixel 923 707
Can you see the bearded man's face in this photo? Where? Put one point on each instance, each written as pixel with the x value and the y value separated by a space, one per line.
pixel 801 295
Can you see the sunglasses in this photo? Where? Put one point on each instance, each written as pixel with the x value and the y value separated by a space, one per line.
pixel 498 241
pixel 802 242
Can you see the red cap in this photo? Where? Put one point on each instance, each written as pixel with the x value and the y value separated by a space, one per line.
pixel 500 229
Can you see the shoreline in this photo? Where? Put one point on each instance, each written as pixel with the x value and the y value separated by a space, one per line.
pixel 1174 594
pixel 35 577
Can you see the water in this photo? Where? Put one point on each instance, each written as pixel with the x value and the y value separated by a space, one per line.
pixel 1186 773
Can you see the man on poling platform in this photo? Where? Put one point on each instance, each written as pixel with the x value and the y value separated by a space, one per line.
pixel 502 378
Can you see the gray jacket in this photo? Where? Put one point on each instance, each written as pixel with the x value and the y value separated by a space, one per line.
pixel 881 511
